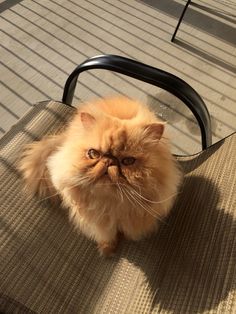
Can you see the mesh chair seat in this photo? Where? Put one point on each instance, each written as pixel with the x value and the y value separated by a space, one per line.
pixel 189 266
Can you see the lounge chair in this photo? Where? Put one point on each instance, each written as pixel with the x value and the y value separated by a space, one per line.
pixel 189 266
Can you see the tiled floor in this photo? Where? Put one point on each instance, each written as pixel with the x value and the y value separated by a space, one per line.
pixel 41 42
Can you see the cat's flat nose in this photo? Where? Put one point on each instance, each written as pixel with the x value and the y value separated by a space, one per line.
pixel 110 160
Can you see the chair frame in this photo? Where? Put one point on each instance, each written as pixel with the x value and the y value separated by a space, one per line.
pixel 180 19
pixel 151 75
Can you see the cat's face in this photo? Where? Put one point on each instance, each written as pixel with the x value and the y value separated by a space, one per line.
pixel 113 152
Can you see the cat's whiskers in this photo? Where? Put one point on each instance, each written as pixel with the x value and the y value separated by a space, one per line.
pixel 144 206
pixel 142 200
pixel 70 187
pixel 100 215
pixel 127 196
pixel 121 192
pixel 150 209
pixel 136 185
pixel 106 184
pixel 116 184
pixel 50 196
pixel 155 202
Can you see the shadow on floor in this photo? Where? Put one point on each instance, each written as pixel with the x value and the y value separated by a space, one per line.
pixel 5 5
pixel 205 55
pixel 200 20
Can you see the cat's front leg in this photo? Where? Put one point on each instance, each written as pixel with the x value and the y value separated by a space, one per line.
pixel 107 248
pixel 107 240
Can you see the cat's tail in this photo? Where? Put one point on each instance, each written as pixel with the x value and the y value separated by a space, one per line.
pixel 33 167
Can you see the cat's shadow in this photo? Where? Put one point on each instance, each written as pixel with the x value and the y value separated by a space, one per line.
pixel 185 259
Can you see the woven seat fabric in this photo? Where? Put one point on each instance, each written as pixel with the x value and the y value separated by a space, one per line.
pixel 189 266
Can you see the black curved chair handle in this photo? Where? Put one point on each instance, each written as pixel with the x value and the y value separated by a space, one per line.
pixel 151 75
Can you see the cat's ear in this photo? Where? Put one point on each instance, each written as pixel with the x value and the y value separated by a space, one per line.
pixel 87 120
pixel 154 130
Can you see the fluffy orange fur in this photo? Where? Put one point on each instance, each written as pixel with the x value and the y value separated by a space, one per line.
pixel 112 168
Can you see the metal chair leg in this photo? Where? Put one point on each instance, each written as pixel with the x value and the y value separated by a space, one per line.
pixel 180 19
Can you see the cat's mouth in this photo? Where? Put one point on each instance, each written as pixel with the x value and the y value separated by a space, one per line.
pixel 111 175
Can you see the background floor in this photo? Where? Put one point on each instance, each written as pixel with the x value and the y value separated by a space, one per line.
pixel 41 42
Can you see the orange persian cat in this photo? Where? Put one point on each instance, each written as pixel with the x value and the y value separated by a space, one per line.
pixel 112 168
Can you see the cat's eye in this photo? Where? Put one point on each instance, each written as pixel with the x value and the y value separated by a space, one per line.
pixel 93 154
pixel 127 161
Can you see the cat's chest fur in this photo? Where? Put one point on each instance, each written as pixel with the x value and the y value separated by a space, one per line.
pixel 97 203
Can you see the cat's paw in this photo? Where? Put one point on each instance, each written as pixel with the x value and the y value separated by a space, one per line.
pixel 107 249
